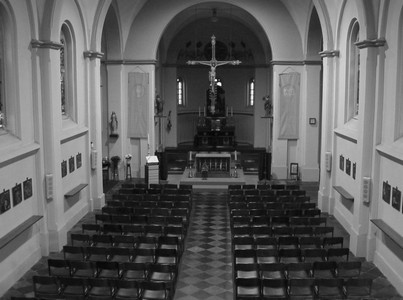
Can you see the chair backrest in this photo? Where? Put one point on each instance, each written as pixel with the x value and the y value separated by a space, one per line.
pixel 358 286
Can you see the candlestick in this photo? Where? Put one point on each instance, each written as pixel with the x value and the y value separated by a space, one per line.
pixel 199 111
pixel 236 156
pixel 148 140
pixel 232 112
pixel 190 155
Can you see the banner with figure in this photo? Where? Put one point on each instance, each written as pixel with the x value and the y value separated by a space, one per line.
pixel 137 118
pixel 289 105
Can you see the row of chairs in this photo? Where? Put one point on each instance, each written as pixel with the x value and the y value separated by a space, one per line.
pixel 136 229
pixel 152 197
pixel 140 191
pixel 270 221
pixel 152 186
pixel 127 241
pixel 51 287
pixel 267 186
pixel 301 242
pixel 138 219
pixel 289 255
pixel 281 205
pixel 113 270
pixel 145 208
pixel 151 203
pixel 273 193
pixel 316 269
pixel 277 229
pixel 261 211
pixel 307 288
pixel 120 254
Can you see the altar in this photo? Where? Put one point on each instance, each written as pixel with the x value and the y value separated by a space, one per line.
pixel 215 132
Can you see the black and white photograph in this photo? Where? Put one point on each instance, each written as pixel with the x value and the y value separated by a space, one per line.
pixel 341 162
pixel 27 187
pixel 396 198
pixel 386 188
pixel 5 204
pixel 79 160
pixel 64 168
pixel 71 164
pixel 17 194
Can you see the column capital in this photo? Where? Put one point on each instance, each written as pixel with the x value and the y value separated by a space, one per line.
pixel 380 42
pixel 93 54
pixel 45 44
pixel 329 53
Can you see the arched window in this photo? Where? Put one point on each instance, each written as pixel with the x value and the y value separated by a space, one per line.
pixel 180 91
pixel 8 96
pixel 2 70
pixel 353 72
pixel 251 92
pixel 67 73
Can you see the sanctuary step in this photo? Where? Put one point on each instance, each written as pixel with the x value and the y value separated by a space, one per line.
pixel 254 161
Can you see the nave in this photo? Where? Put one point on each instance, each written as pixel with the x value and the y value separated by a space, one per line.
pixel 206 268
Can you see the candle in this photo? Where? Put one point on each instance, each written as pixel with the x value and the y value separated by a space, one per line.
pixel 148 140
pixel 190 155
pixel 236 156
pixel 199 111
pixel 232 114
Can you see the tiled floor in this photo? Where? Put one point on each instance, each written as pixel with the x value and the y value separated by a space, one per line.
pixel 206 269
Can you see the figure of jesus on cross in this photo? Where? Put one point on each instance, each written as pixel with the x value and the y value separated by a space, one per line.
pixel 213 63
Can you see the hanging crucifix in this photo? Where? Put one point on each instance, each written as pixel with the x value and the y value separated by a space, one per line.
pixel 213 63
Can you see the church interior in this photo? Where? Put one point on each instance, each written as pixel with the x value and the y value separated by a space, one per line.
pixel 211 143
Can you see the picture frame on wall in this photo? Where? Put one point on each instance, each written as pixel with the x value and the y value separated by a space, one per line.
pixel 396 198
pixel 64 168
pixel 79 161
pixel 5 203
pixel 386 192
pixel 17 194
pixel 71 164
pixel 348 166
pixel 341 162
pixel 27 187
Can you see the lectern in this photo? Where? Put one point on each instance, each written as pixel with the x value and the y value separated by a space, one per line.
pixel 151 170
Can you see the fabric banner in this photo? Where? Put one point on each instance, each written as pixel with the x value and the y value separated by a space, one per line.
pixel 138 105
pixel 289 105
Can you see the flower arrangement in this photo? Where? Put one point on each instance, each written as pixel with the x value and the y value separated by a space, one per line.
pixel 128 156
pixel 115 160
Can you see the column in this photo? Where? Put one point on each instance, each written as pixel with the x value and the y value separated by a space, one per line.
pixel 97 199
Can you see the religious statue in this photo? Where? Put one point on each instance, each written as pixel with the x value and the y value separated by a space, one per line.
pixel 268 106
pixel 113 124
pixel 213 94
pixel 159 105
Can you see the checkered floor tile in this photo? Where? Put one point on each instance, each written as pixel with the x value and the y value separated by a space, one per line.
pixel 206 266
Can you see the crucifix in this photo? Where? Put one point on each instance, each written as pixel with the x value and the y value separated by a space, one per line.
pixel 213 63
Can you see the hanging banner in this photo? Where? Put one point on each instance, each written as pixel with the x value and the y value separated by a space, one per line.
pixel 137 118
pixel 289 106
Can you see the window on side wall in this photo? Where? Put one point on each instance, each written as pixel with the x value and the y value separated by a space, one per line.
pixel 67 101
pixel 353 72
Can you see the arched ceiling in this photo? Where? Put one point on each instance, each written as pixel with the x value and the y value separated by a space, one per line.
pixel 230 24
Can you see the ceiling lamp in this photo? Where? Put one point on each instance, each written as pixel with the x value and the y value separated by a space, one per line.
pixel 214 17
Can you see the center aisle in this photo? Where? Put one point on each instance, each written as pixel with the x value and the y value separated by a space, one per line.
pixel 206 266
